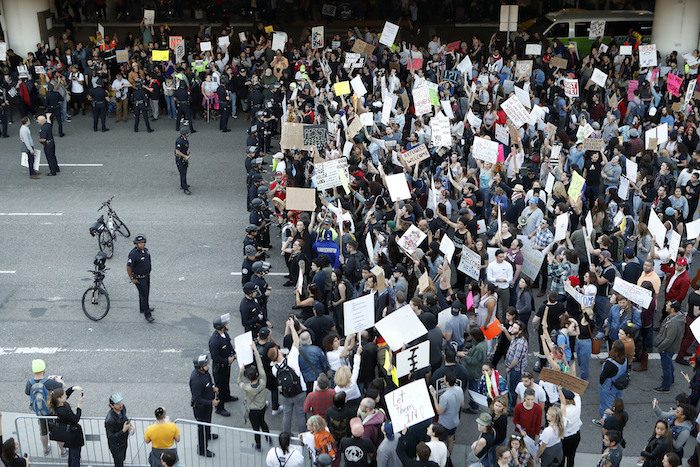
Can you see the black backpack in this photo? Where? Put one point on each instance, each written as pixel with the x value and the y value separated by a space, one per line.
pixel 288 380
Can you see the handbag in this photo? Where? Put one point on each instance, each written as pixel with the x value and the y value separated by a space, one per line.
pixel 63 432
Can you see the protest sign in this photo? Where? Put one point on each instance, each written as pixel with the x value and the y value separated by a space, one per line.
pixel 485 150
pixel 673 84
pixel 523 69
pixel 523 96
pixel 508 19
pixel 180 52
pixel 341 88
pixel 205 46
pixel 279 39
pixel 292 136
pixel 269 28
pixel 599 78
pixel 122 56
pixel 39 70
pixel 549 184
pixel 565 380
pixel 160 55
pixel 516 111
pixel 634 293
pixel 532 260
pixel 576 186
pixel 447 246
pixel 473 120
pixel 3 51
pixel 173 41
pixel 558 62
pixel 492 330
pixel 674 243
pixel 317 37
pixel 447 109
pixel 440 135
pixel 244 351
pixel 647 55
pixel 358 314
pixel 561 224
pixel 400 327
pixel 409 405
pixel 413 359
pixel 597 29
pixel 223 42
pixel 358 86
pixel 533 49
pixel 328 174
pixel 315 135
pixel 444 317
pixel 241 37
pixel 657 228
pixel 415 155
pixel 465 66
pixel 367 119
pixel 624 189
pixel 389 34
pixel 421 101
pixel 625 50
pixel 149 17
pixel 410 240
pixel 300 199
pixel 470 263
pixel 693 230
pixel 583 300
pixel 502 134
pixel 398 187
pixel 570 87
pixel 594 144
pixel 362 47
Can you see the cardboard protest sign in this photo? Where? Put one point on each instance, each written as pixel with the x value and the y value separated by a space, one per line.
pixel 411 239
pixel 279 40
pixel 400 327
pixel 300 199
pixel 244 352
pixel 647 55
pixel 160 55
pixel 470 263
pixel 447 246
pixel 533 49
pixel 558 62
pixel 485 150
pixel 565 380
pixel 594 144
pixel 149 17
pixel 389 34
pixel 398 187
pixel 358 87
pixel 413 359
pixel 358 314
pixel 415 155
pixel 523 69
pixel 292 136
pixel 576 186
pixel 673 84
pixel 173 41
pixel 532 260
pixel 597 29
pixel 205 46
pixel 570 87
pixel 317 37
pixel 409 405
pixel 122 56
pixel 516 111
pixel 362 47
pixel 634 293
pixel 599 78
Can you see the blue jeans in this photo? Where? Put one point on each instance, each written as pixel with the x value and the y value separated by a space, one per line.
pixel 473 385
pixel 601 308
pixel 234 100
pixel 514 377
pixel 74 457
pixel 666 369
pixel 170 105
pixel 583 357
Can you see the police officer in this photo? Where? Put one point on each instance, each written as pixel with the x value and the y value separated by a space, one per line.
pixel 224 108
pixel 222 356
pixel 99 99
pixel 182 157
pixel 204 399
pixel 184 109
pixel 260 216
pixel 253 316
pixel 53 107
pixel 139 100
pixel 251 239
pixel 255 181
pixel 46 138
pixel 138 267
pixel 260 269
pixel 251 255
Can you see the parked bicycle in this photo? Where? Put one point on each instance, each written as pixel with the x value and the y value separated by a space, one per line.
pixel 95 298
pixel 106 229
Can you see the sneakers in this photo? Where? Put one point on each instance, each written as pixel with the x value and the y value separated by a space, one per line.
pixel 661 389
pixel 278 411
pixel 682 361
pixel 207 453
pixel 597 422
pixel 224 413
pixel 47 451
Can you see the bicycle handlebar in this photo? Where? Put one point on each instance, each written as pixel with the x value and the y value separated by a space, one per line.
pixel 106 203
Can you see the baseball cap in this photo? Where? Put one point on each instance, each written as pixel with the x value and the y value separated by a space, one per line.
pixel 264 332
pixel 400 268
pixel 38 365
pixel 629 252
pixel 605 254
pixel 682 261
pixel 116 398
pixel 534 200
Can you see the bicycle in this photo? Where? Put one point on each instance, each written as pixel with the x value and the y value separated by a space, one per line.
pixel 105 230
pixel 96 299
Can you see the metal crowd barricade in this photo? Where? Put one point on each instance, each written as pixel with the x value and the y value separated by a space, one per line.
pixel 234 447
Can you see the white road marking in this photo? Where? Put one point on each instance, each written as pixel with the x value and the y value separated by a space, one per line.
pixel 75 165
pixel 56 350
pixel 7 272
pixel 31 213
pixel 268 274
pixel 604 355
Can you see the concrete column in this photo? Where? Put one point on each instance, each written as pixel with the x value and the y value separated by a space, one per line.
pixel 21 24
pixel 676 26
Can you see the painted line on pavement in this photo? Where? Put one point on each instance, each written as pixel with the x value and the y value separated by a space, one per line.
pixel 74 165
pixel 604 355
pixel 7 272
pixel 31 213
pixel 57 350
pixel 268 274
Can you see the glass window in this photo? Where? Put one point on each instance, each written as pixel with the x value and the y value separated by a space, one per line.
pixel 558 30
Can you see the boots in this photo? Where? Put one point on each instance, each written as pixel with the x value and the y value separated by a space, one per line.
pixel 643 362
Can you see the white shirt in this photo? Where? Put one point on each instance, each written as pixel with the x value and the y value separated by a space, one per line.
pixel 352 392
pixel 540 395
pixel 293 458
pixel 293 362
pixel 572 420
pixel 119 86
pixel 549 436
pixel 75 83
pixel 438 452
pixel 500 274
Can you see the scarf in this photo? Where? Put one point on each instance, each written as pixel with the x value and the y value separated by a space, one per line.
pixel 492 384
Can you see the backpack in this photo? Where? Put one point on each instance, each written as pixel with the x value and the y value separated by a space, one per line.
pixel 38 397
pixel 288 380
pixel 325 444
pixel 623 380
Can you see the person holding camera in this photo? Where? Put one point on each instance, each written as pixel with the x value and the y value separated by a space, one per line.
pixel 138 267
pixel 118 428
pixel 67 428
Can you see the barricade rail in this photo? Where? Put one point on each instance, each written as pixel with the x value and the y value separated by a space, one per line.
pixel 234 446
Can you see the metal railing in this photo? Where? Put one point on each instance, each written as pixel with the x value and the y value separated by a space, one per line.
pixel 234 446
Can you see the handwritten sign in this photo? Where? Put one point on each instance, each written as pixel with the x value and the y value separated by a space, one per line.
pixel 389 34
pixel 485 150
pixel 533 49
pixel 400 327
pixel 409 405
pixel 516 111
pixel 599 78
pixel 328 174
pixel 597 29
pixel 532 260
pixel 421 101
pixel 594 144
pixel 647 55
pixel 558 62
pixel 585 301
pixel 576 186
pixel 315 135
pixel 416 155
pixel 358 314
pixel 634 293
pixel 173 41
pixel 160 55
pixel 244 352
pixel 673 84
pixel 362 47
pixel 413 359
pixel 410 240
pixel 470 263
pixel 523 69
pixel 565 380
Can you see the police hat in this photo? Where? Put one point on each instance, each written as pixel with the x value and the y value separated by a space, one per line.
pixel 251 228
pixel 260 266
pixel 184 129
pixel 200 361
pixel 249 288
pixel 219 324
pixel 140 238
pixel 257 203
pixel 263 189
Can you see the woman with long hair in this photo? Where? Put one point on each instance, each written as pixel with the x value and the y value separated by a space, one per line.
pixel 341 292
pixel 10 454
pixel 614 368
pixel 283 456
pixel 550 452
pixel 525 302
pixel 520 455
pixel 660 443
pixel 74 433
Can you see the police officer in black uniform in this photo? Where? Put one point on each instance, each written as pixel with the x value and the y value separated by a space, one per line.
pixel 139 100
pixel 46 138
pixel 138 267
pixel 224 108
pixel 251 238
pixel 182 157
pixel 260 216
pixel 222 356
pixel 255 181
pixel 184 108
pixel 260 269
pixel 53 106
pixel 253 316
pixel 204 399
pixel 251 256
pixel 99 99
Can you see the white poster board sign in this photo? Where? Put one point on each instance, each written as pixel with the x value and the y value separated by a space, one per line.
pixel 634 293
pixel 400 327
pixel 657 228
pixel 625 50
pixel 597 29
pixel 570 87
pixel 279 39
pixel 358 314
pixel 693 230
pixel 647 55
pixel 502 134
pixel 205 46
pixel 516 111
pixel 533 49
pixel 532 260
pixel 389 34
pixel 244 352
pixel 149 17
pixel 410 240
pixel 358 86
pixel 409 405
pixel 485 150
pixel 599 78
pixel 470 263
pixel 413 359
pixel 440 135
pixel 447 246
pixel 523 96
pixel 561 224
pixel 421 101
pixel 398 187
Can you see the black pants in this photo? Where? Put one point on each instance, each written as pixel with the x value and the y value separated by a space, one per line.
pixel 569 445
pixel 3 122
pixel 76 102
pixel 118 455
pixel 202 414
pixel 30 158
pixel 184 112
pixel 139 110
pixel 223 119
pixel 56 117
pixel 182 168
pixel 222 378
pixel 257 421
pixel 50 151
pixel 144 288
pixel 500 352
pixel 99 112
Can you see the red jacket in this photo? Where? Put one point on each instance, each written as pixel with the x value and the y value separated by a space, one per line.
pixel 680 286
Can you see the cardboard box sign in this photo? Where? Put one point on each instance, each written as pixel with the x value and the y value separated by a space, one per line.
pixel 566 381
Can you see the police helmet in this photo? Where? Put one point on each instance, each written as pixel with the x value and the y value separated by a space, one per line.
pixel 251 228
pixel 219 324
pixel 249 288
pixel 258 266
pixel 262 189
pixel 140 238
pixel 257 203
pixel 200 361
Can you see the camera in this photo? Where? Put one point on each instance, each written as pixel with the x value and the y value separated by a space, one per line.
pixel 99 261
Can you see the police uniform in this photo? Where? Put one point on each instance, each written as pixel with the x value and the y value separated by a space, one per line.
pixel 140 263
pixel 202 389
pixel 4 107
pixel 139 99
pixel 221 349
pixel 99 107
pixel 252 317
pixel 46 136
pixel 247 267
pixel 261 285
pixel 224 108
pixel 54 106
pixel 260 218
pixel 183 145
pixel 184 110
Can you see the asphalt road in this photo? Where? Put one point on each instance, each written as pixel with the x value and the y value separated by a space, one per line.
pixel 195 243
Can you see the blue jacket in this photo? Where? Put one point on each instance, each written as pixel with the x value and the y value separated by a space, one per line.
pixel 317 362
pixel 616 322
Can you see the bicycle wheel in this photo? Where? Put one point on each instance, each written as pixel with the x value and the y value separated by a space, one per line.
pixel 120 226
pixel 106 243
pixel 95 303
